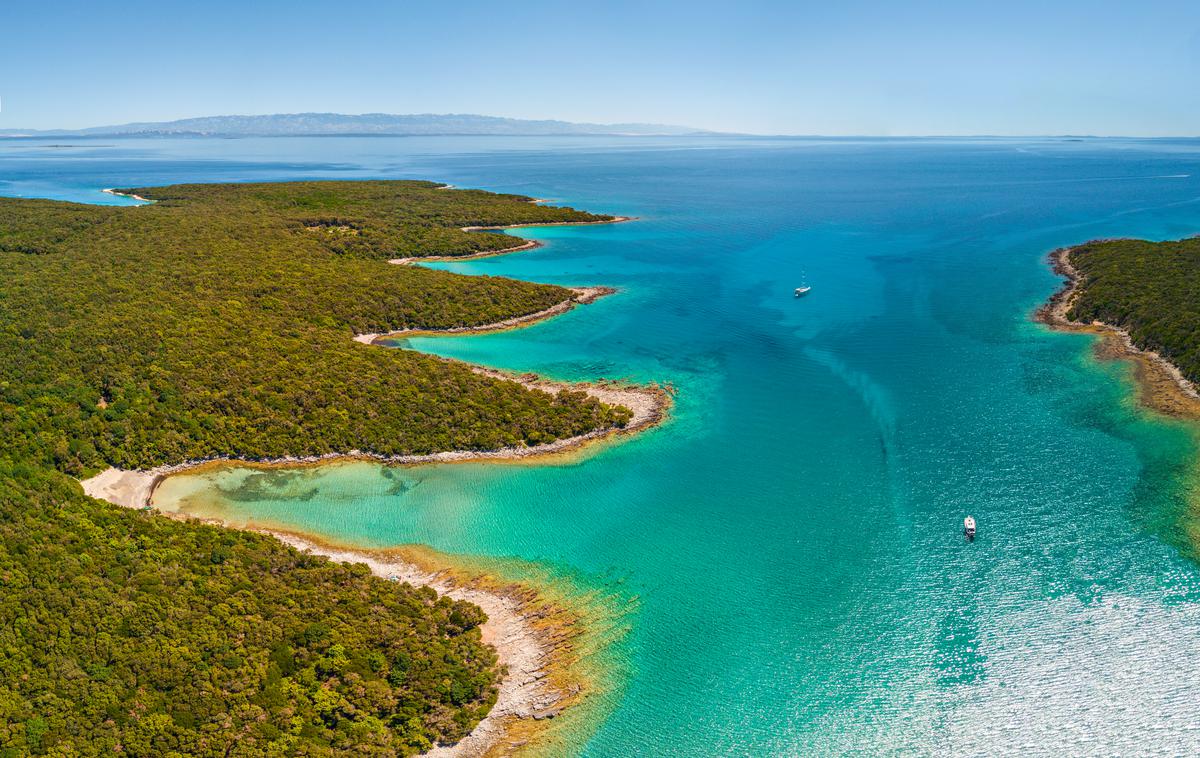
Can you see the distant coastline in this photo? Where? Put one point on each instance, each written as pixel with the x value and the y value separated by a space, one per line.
pixel 1162 386
pixel 362 125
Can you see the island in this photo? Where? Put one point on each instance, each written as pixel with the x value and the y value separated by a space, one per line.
pixel 1143 299
pixel 219 322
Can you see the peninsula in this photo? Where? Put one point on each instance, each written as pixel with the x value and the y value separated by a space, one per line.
pixel 216 322
pixel 1140 297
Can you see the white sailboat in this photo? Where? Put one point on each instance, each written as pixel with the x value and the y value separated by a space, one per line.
pixel 803 289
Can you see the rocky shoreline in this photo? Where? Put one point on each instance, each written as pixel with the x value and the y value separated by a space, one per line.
pixel 1162 386
pixel 533 642
pixel 582 296
pixel 529 245
pixel 525 245
pixel 134 488
pixel 529 642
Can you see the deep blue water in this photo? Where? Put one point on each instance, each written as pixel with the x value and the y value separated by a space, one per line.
pixel 783 560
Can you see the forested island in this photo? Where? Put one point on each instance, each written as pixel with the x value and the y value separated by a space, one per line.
pixel 217 322
pixel 1145 298
pixel 1149 289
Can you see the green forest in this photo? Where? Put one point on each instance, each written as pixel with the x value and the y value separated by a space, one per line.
pixel 217 321
pixel 1150 289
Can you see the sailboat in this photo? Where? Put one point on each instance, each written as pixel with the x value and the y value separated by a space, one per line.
pixel 803 289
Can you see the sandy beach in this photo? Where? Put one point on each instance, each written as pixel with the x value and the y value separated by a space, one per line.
pixel 1161 385
pixel 131 489
pixel 126 194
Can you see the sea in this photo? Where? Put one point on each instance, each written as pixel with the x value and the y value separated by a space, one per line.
pixel 780 568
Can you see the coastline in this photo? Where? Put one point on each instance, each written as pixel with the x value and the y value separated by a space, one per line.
pixel 1161 385
pixel 526 245
pixel 134 488
pixel 583 296
pixel 111 191
pixel 613 220
pixel 534 638
pixel 533 642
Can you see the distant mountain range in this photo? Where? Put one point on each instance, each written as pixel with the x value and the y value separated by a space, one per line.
pixel 319 124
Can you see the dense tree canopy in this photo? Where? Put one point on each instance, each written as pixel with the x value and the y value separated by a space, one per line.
pixel 131 634
pixel 374 219
pixel 1150 289
pixel 217 321
pixel 211 324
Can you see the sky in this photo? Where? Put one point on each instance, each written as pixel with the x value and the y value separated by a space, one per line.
pixel 1015 67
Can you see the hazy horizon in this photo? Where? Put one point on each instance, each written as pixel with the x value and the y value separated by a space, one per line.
pixel 6 131
pixel 769 68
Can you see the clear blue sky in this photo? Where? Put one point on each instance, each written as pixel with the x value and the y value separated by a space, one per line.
pixel 853 67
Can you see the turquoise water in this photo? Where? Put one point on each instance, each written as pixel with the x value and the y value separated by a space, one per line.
pixel 786 553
